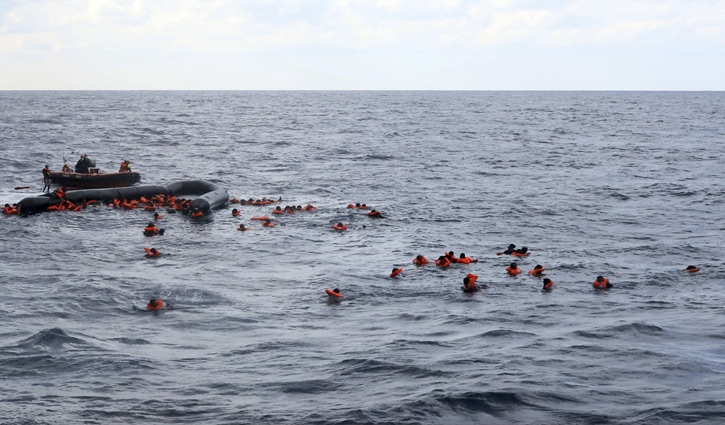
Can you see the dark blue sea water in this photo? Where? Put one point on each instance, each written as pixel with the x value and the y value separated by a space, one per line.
pixel 621 184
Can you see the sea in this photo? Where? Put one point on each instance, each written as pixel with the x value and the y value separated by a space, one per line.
pixel 626 185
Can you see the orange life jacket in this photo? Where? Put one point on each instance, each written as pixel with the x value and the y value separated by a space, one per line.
pixel 240 228
pixel 350 206
pixel 374 214
pixel 465 260
pixel 536 272
pixel 151 254
pixel 363 207
pixel 159 304
pixel 267 224
pixel 236 213
pixel 197 214
pixel 260 218
pixel 66 168
pixel 333 293
pixel 443 263
pixel 150 229
pixel 396 272
pixel 60 192
pixel 309 207
pixel 692 270
pixel 519 254
pixel 149 208
pixel 420 262
pixel 513 271
pixel 548 285
pixel 600 285
pixel 472 278
pixel 340 228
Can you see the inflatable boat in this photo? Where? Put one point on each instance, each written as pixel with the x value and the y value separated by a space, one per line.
pixel 94 180
pixel 207 196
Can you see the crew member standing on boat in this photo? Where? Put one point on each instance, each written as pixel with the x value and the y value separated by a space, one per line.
pixel 125 167
pixel 46 179
pixel 83 164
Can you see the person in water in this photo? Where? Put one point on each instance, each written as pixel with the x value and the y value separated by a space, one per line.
pixel 601 283
pixel 46 179
pixel 538 269
pixel 155 304
pixel 513 269
pixel 547 284
pixel 692 269
pixel 420 260
pixel 469 283
pixel 510 250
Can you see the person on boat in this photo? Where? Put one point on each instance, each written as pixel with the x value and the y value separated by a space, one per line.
pixel 46 179
pixel 66 168
pixel 125 167
pixel 83 164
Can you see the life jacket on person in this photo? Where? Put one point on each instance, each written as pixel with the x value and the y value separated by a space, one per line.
pixel 197 213
pixel 601 285
pixel 443 262
pixel 149 207
pixel 159 304
pixel 278 210
pixel 309 207
pixel 536 272
pixel 513 271
pixel 236 212
pixel 363 207
pixel 420 262
pixel 77 208
pixel 152 252
pixel 350 206
pixel 242 228
pixel 9 210
pixel 374 214
pixel 150 231
pixel 53 208
pixel 46 172
pixel 333 294
pixel 157 216
pixel 124 167
pixel 267 224
pixel 452 258
pixel 128 205
pixel 519 254
pixel 692 269
pixel 469 283
pixel 65 169
pixel 464 260
pixel 340 228
pixel 548 284
pixel 395 272
pixel 60 192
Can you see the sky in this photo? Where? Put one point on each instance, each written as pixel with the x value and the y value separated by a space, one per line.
pixel 362 45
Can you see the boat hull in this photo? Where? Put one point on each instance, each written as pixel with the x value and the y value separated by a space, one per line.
pixel 94 180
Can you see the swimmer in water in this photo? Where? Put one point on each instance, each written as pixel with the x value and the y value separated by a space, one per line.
pixel 601 283
pixel 692 269
pixel 547 284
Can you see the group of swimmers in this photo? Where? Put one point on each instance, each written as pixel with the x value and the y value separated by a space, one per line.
pixel 180 204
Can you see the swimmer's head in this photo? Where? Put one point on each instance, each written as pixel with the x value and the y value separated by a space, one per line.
pixel 600 278
pixel 538 266
pixel 514 265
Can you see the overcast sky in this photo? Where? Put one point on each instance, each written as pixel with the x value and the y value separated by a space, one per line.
pixel 361 45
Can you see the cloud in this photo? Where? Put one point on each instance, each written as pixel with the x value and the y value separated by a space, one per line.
pixel 163 34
